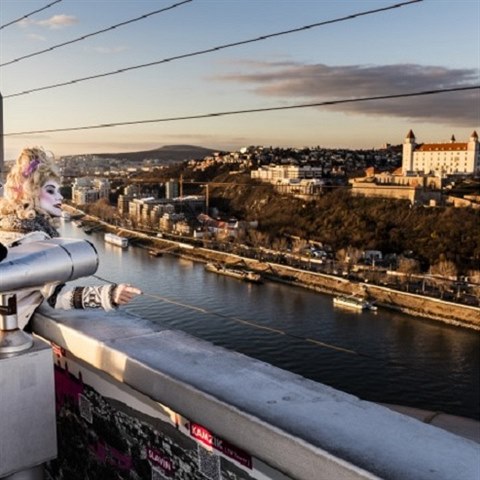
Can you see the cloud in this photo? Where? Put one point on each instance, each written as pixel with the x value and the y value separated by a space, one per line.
pixel 316 83
pixel 53 23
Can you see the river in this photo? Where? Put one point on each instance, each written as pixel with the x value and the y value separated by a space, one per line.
pixel 382 356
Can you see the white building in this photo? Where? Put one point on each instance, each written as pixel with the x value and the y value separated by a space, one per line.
pixel 171 189
pixel 452 158
pixel 86 190
pixel 272 173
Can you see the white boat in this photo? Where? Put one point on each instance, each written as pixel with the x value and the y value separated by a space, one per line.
pixel 77 223
pixel 65 216
pixel 246 275
pixel 355 303
pixel 116 240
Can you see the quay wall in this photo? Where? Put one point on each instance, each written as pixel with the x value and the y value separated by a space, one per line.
pixel 137 400
pixel 413 304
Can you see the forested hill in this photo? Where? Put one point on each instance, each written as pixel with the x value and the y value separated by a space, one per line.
pixel 340 220
pixel 165 153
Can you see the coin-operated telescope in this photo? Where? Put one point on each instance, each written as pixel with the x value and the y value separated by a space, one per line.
pixel 27 410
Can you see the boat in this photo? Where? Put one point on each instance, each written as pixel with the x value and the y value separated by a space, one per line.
pixel 77 223
pixel 65 216
pixel 241 274
pixel 155 253
pixel 116 240
pixel 353 302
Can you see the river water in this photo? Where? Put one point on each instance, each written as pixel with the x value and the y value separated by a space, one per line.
pixel 382 356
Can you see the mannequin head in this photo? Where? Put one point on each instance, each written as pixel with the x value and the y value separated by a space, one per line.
pixel 50 198
pixel 33 184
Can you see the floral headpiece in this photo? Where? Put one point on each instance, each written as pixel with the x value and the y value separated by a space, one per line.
pixel 32 166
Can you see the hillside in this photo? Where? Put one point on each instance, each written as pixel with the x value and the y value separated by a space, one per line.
pixel 166 153
pixel 342 221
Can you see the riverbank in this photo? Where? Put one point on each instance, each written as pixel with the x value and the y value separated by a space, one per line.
pixel 413 304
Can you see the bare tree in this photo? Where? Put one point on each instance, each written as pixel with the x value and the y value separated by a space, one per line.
pixel 444 268
pixel 407 267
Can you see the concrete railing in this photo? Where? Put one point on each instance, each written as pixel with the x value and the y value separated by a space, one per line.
pixel 137 397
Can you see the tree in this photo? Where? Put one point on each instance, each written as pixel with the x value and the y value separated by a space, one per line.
pixel 444 268
pixel 409 267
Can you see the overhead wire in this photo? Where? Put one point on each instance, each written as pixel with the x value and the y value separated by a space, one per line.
pixel 29 14
pixel 250 323
pixel 273 330
pixel 98 32
pixel 215 49
pixel 251 110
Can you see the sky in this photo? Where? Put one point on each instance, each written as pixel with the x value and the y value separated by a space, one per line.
pixel 425 45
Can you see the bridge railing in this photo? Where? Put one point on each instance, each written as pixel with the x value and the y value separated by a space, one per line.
pixel 150 402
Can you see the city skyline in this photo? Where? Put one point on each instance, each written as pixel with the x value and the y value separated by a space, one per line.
pixel 425 45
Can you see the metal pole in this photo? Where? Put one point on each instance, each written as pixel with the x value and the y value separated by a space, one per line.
pixel 12 339
pixel 2 152
pixel 207 203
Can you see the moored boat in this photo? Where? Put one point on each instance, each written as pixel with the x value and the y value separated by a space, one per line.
pixel 116 240
pixel 354 303
pixel 241 274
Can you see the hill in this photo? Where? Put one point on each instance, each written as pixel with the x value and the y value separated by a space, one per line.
pixel 344 221
pixel 167 153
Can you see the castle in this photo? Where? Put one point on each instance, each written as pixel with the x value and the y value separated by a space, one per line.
pixel 441 159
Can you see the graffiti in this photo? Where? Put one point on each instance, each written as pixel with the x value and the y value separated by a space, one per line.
pixel 202 434
pixel 161 460
pixel 104 437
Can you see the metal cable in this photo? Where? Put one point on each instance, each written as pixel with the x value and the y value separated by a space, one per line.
pixel 256 325
pixel 213 49
pixel 29 14
pixel 84 37
pixel 251 110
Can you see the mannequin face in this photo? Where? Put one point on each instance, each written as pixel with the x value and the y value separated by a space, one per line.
pixel 50 198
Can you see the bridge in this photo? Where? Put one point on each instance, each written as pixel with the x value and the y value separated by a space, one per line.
pixel 136 397
pixel 111 395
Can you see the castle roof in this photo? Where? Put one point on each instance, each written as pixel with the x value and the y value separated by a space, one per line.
pixel 442 147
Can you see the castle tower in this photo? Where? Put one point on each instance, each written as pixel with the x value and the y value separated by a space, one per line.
pixel 473 153
pixel 407 155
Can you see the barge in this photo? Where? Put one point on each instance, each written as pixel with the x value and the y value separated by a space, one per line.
pixel 245 275
pixel 116 240
pixel 354 303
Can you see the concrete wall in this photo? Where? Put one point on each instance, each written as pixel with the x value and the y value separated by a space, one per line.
pixel 150 402
pixel 401 192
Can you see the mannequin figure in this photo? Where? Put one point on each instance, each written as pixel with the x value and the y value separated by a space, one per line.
pixel 29 212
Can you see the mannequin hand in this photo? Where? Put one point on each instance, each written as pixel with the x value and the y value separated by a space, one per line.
pixel 124 292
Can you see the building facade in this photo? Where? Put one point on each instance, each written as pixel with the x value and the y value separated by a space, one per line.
pixel 273 173
pixel 86 190
pixel 172 189
pixel 442 159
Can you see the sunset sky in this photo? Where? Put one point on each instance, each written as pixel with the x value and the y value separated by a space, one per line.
pixel 426 45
